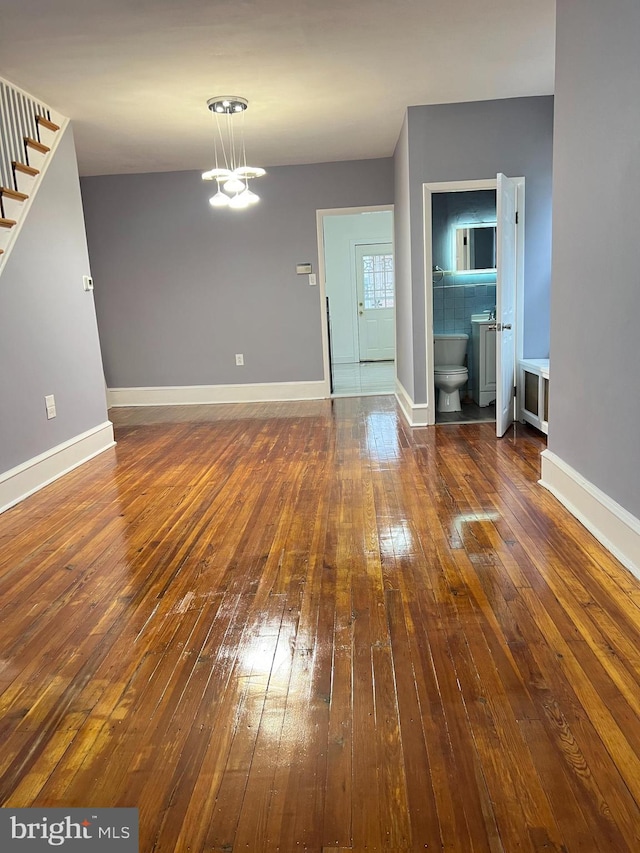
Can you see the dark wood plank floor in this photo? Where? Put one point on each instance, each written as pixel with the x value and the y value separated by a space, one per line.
pixel 305 627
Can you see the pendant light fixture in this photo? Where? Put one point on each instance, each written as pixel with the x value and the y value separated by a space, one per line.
pixel 231 173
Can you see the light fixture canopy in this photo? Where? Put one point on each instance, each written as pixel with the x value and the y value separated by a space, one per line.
pixel 231 172
pixel 228 104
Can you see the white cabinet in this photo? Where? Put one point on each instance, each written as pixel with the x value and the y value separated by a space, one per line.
pixel 483 343
pixel 533 386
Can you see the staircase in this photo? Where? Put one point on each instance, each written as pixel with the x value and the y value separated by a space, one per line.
pixel 29 130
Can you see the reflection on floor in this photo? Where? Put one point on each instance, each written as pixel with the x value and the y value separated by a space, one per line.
pixel 364 378
pixel 369 378
pixel 471 413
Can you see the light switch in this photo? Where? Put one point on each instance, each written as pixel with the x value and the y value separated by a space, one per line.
pixel 312 278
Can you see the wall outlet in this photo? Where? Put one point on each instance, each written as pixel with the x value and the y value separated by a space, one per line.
pixel 312 279
pixel 87 282
pixel 50 404
pixel 239 359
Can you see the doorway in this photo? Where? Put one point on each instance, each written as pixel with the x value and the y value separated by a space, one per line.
pixel 355 253
pixel 474 265
pixel 375 292
pixel 463 241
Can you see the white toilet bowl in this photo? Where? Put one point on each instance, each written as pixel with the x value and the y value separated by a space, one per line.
pixel 449 379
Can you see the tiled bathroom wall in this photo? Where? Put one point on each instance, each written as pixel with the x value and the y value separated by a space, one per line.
pixel 457 297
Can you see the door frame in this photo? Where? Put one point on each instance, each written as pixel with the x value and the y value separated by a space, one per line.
pixel 465 186
pixel 324 320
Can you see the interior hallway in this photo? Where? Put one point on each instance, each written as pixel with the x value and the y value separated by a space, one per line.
pixel 304 626
pixel 364 378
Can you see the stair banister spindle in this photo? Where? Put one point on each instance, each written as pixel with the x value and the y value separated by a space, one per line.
pixel 26 136
pixel 17 119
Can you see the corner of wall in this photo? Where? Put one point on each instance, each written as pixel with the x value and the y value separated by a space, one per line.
pixel 26 479
pixel 610 523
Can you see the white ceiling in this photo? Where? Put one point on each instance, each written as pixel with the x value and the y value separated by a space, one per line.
pixel 325 79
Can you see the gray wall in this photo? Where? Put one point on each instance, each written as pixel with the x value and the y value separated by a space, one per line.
pixel 181 287
pixel 48 333
pixel 594 394
pixel 402 260
pixel 473 141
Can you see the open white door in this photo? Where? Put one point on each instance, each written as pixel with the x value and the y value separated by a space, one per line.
pixel 376 302
pixel 506 263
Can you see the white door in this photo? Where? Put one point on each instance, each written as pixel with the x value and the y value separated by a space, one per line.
pixel 506 264
pixel 376 302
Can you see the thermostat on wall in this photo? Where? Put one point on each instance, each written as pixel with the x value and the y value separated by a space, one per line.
pixel 303 269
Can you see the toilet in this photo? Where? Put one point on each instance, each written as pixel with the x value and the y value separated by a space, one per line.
pixel 449 372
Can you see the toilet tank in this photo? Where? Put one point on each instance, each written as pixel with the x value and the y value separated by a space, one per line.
pixel 450 349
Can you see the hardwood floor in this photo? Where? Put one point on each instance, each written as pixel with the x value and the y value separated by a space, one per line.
pixel 305 627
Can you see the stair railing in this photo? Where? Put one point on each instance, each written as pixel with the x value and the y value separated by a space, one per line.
pixel 18 112
pixel 24 157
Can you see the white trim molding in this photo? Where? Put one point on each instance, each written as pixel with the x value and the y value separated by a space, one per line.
pixel 34 474
pixel 610 523
pixel 194 395
pixel 416 414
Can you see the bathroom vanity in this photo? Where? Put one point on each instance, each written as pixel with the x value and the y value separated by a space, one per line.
pixel 483 348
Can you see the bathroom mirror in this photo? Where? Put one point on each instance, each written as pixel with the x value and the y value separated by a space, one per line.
pixel 476 247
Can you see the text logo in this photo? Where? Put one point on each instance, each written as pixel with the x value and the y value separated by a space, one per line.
pixel 34 830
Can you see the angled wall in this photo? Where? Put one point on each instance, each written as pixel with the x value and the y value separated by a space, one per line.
pixel 48 333
pixel 402 244
pixel 594 416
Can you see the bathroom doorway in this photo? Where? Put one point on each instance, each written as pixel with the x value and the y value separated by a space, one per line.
pixel 463 240
pixel 356 265
pixel 474 263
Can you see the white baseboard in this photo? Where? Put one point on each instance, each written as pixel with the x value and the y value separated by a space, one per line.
pixel 34 474
pixel 193 395
pixel 610 523
pixel 416 414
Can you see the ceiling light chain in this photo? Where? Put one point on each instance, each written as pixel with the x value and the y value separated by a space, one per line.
pixel 224 153
pixel 233 179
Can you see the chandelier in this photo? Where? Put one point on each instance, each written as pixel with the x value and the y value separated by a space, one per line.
pixel 231 171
